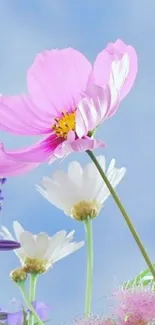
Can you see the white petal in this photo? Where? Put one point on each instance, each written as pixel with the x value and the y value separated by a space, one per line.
pixel 86 116
pixel 68 249
pixel 113 90
pixel 66 185
pixel 101 160
pixel 42 243
pixel 53 196
pixel 70 235
pixel 48 182
pixel 28 244
pixel 20 253
pixel 55 242
pixel 92 180
pixel 54 193
pixel 114 176
pixel 111 166
pixel 68 238
pixel 62 192
pixel 105 193
pixel 75 173
pixel 119 73
pixel 122 71
pixel 60 178
pixel 5 234
pixel 18 229
pixel 119 175
pixel 42 191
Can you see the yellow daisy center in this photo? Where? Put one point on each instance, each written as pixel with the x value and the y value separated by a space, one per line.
pixel 84 209
pixel 64 124
pixel 35 265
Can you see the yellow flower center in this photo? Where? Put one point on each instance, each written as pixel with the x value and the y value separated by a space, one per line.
pixel 64 124
pixel 35 265
pixel 18 275
pixel 84 209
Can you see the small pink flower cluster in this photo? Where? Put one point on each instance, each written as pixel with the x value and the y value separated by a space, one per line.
pixel 136 306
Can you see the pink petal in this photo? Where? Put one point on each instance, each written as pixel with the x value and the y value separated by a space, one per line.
pixel 87 144
pixel 92 111
pixel 102 68
pixel 39 152
pixel 19 115
pixel 57 78
pixel 71 136
pixel 126 70
pixel 10 168
pixel 79 145
pixel 132 71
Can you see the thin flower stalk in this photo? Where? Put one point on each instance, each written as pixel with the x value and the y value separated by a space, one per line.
pixel 124 213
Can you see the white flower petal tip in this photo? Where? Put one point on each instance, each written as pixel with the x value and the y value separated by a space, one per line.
pixel 39 252
pixel 81 192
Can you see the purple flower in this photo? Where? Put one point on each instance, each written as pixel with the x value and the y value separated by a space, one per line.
pixel 17 318
pixel 7 245
pixel 2 181
pixel 42 310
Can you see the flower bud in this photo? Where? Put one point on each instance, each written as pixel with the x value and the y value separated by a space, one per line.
pixel 18 275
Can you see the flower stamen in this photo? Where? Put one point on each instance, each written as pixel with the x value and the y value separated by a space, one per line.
pixel 64 124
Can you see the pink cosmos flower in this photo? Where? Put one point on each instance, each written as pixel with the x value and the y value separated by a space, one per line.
pixel 136 306
pixel 67 99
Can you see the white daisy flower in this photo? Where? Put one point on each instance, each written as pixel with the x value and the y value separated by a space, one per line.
pixel 81 192
pixel 39 252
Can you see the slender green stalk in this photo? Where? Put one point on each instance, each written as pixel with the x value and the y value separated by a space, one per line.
pixel 124 213
pixel 33 283
pixel 22 289
pixel 89 239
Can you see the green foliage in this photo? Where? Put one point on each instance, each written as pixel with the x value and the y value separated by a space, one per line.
pixel 143 279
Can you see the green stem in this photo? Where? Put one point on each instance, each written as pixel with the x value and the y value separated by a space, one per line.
pixel 124 213
pixel 33 283
pixel 89 239
pixel 22 289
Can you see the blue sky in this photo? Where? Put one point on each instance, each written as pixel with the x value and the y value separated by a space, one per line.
pixel 27 28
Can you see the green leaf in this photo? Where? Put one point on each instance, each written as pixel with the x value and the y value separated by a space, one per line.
pixel 145 278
